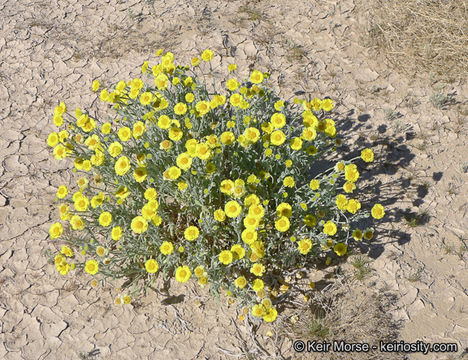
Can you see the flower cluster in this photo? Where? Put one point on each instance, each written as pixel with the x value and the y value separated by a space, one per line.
pixel 190 182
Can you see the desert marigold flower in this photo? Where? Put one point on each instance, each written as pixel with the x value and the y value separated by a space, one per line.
pixel 116 233
pixel 258 310
pixel 139 129
pixel 199 271
pixel 258 270
pixel 329 228
pixel 258 284
pixel 251 222
pixel 55 230
pixel 115 149
pixel 252 135
pixel 270 315
pixel 164 122
pixel 67 251
pixel 367 155
pixel 357 235
pixel 368 234
pixel 225 257
pixel 95 85
pixel 140 174
pixel 327 104
pixel 378 211
pixel 100 251
pixel 183 273
pixel 240 282
pixel 232 209
pixel 62 191
pixel 52 139
pixel 122 165
pixel 238 251
pixel 341 201
pixel 150 194
pixel 146 98
pixel 195 61
pixel 304 246
pixel 282 224
pixel 296 143
pixel 340 249
pixel 257 211
pixel 278 120
pixel 139 224
pixel 232 84
pixel 91 267
pixel 202 107
pixel 172 173
pixel 249 236
pixel 151 266
pixel 351 173
pixel 180 108
pixel 105 218
pixel 256 77
pixel 124 133
pixel 353 206
pixel 207 55
pixel 349 187
pixel 203 151
pixel 288 181
pixel 284 209
pixel 191 233
pixel 82 203
pixel 277 137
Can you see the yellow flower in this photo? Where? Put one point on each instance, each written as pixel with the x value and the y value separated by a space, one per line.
pixel 183 273
pixel 249 236
pixel 309 134
pixel 284 209
pixel 95 85
pixel 238 251
pixel 296 143
pixel 55 230
pixel 115 149
pixel 368 234
pixel 304 246
pixel 240 282
pixel 329 228
pixel 258 270
pixel 357 235
pixel 122 165
pixel 256 77
pixel 257 211
pixel 100 251
pixel 151 266
pixel 327 104
pixel 219 215
pixel 200 271
pixel 139 224
pixel 227 138
pixel 278 120
pixel 225 257
pixel 232 67
pixel 258 310
pixel 67 251
pixel 277 137
pixel 175 134
pixel 236 100
pixel 270 315
pixel 351 173
pixel 76 222
pixel 288 181
pixel 195 61
pixel 251 222
pixel 232 209
pixel 140 174
pixel 341 201
pixel 116 233
pixel 203 151
pixel 91 267
pixel 124 133
pixel 282 224
pixel 232 84
pixel 52 139
pixel 258 284
pixel 166 248
pixel 105 218
pixel 180 109
pixel 150 194
pixel 207 55
pixel 202 107
pixel 62 191
pixel 139 129
pixel 252 135
pixel 146 98
pixel 340 249
pixel 82 203
pixel 191 233
pixel 367 155
pixel 164 122
pixel 172 173
pixel 353 206
pixel 378 211
pixel 349 187
pixel 184 161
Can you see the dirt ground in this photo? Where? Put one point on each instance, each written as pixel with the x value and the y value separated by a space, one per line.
pixel 51 51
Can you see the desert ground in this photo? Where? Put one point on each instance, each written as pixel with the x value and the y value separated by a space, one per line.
pixel 415 278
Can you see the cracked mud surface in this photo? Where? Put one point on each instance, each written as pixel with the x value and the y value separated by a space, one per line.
pixel 52 50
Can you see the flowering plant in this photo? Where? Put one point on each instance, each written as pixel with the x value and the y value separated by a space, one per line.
pixel 190 182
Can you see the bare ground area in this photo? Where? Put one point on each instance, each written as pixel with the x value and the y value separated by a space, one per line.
pixel 416 284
